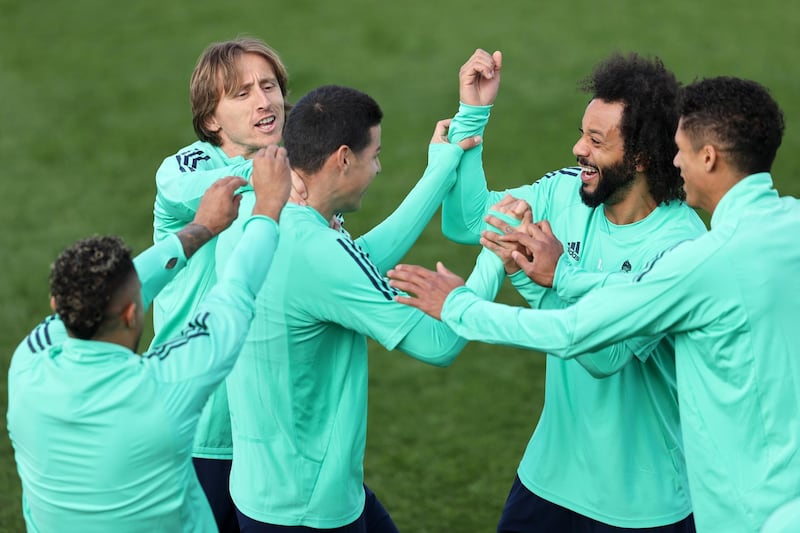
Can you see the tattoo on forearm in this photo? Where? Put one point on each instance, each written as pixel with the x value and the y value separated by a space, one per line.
pixel 192 237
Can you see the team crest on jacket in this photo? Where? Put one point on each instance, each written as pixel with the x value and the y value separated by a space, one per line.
pixel 626 266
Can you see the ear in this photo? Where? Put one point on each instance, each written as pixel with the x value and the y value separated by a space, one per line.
pixel 710 155
pixel 53 303
pixel 343 157
pixel 639 163
pixel 211 124
pixel 128 315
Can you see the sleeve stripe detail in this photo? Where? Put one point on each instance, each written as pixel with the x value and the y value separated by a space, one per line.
pixel 187 161
pixel 369 268
pixel 41 330
pixel 649 266
pixel 196 328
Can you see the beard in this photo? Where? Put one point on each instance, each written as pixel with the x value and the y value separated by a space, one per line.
pixel 613 183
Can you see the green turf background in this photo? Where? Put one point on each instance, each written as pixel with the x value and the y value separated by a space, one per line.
pixel 94 94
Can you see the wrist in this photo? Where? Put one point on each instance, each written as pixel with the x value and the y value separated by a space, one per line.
pixel 193 236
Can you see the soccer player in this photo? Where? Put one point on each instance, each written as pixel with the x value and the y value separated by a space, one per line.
pixel 725 297
pixel 606 453
pixel 298 395
pixel 237 92
pixel 102 436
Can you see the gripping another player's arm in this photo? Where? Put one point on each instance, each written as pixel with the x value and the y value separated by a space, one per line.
pixel 390 240
pixel 183 178
pixel 466 203
pixel 209 344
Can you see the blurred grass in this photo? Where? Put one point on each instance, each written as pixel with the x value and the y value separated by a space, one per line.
pixel 95 95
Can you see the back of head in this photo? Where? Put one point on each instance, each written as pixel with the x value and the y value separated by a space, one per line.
pixel 738 116
pixel 216 74
pixel 325 119
pixel 649 93
pixel 84 280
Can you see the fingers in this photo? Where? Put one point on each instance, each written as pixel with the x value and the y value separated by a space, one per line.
pixel 497 57
pixel 501 225
pixel 440 131
pixel 470 142
pixel 544 226
pixel 299 192
pixel 228 183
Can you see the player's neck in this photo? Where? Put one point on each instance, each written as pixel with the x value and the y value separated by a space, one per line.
pixel 636 205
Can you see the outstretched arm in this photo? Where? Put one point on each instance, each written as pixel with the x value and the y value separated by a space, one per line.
pixel 390 240
pixel 466 203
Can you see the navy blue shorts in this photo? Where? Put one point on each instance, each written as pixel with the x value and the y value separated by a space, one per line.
pixel 214 476
pixel 525 512
pixel 374 519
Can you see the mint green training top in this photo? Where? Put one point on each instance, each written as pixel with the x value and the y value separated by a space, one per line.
pixel 181 181
pixel 298 395
pixel 102 436
pixel 607 448
pixel 730 299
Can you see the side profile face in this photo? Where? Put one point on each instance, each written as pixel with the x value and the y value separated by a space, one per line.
pixel 691 163
pixel 600 151
pixel 365 165
pixel 252 116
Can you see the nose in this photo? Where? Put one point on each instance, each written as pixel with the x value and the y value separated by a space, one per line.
pixel 579 148
pixel 263 99
pixel 378 161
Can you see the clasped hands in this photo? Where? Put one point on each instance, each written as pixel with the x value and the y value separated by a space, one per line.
pixel 519 242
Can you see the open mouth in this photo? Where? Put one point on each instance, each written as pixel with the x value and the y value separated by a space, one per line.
pixel 266 122
pixel 588 173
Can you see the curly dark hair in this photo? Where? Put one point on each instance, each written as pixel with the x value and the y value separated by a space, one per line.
pixel 649 94
pixel 84 279
pixel 737 115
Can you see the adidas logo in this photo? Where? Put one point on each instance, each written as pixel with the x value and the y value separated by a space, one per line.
pixel 574 249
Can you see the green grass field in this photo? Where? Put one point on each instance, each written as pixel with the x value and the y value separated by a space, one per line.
pixel 95 95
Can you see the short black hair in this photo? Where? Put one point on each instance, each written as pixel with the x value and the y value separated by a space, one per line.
pixel 84 279
pixel 649 94
pixel 738 116
pixel 325 119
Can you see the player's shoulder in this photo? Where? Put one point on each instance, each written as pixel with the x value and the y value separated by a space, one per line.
pixel 47 335
pixel 199 155
pixel 44 336
pixel 569 175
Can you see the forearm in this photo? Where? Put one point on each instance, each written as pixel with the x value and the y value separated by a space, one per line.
pixel 158 265
pixel 430 341
pixel 250 260
pixel 467 201
pixel 389 241
pixel 487 276
pixel 572 282
pixel 178 192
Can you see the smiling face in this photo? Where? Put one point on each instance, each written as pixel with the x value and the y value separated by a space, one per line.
pixel 600 151
pixel 692 164
pixel 364 166
pixel 252 116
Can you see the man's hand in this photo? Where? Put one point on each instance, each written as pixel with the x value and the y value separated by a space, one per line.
pixel 218 208
pixel 440 136
pixel 506 216
pixel 271 181
pixel 219 205
pixel 544 248
pixel 427 289
pixel 479 78
pixel 299 193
